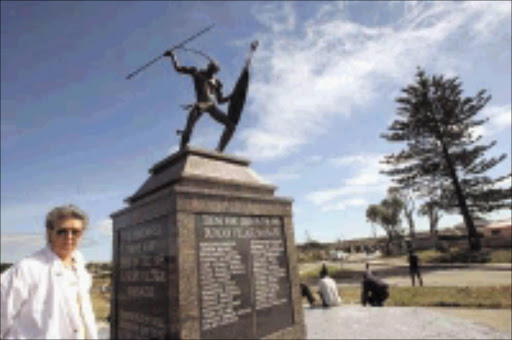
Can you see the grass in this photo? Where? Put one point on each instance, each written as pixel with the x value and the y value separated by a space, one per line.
pixel 456 255
pixel 471 297
pixel 336 272
pixel 501 256
pixel 100 300
pixel 311 255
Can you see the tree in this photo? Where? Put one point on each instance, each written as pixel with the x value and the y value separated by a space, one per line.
pixel 406 195
pixel 372 216
pixel 387 215
pixel 431 207
pixel 392 207
pixel 431 210
pixel 438 126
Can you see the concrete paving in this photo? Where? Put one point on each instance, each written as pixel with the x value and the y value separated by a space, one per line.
pixel 357 322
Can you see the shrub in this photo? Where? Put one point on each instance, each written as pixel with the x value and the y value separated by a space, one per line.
pixel 4 266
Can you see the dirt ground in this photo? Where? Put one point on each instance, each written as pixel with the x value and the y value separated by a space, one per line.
pixel 457 277
pixel 500 319
pixel 356 322
pixel 395 272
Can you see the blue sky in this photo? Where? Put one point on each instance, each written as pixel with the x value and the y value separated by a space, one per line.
pixel 324 79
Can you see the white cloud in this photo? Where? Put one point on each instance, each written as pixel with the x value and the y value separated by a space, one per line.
pixel 500 118
pixel 17 245
pixel 366 179
pixel 360 159
pixel 104 227
pixel 27 213
pixel 305 73
pixel 173 148
pixel 344 204
pixel 277 18
pixel 295 170
pixel 26 239
pixel 283 174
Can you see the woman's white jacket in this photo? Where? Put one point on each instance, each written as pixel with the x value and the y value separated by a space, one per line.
pixel 35 302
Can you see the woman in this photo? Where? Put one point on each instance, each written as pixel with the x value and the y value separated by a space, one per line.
pixel 46 295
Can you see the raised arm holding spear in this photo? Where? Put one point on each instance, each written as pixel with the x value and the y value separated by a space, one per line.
pixel 208 90
pixel 181 44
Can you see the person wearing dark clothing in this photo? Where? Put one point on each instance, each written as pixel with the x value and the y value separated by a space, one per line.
pixel 414 268
pixel 367 268
pixel 374 291
pixel 306 292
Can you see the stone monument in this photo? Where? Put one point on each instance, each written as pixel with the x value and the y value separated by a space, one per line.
pixel 205 251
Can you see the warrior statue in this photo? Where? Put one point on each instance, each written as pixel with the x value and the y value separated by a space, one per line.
pixel 209 95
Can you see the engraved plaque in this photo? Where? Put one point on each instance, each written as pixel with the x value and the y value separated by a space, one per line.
pixel 244 284
pixel 142 297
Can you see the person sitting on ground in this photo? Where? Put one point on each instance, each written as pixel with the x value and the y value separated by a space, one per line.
pixel 327 289
pixel 306 292
pixel 414 268
pixel 374 290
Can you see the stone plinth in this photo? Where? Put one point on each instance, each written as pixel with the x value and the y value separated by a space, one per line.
pixel 205 250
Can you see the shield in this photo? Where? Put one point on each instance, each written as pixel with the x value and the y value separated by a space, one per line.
pixel 237 101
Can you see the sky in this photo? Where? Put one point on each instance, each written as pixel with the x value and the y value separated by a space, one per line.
pixel 322 90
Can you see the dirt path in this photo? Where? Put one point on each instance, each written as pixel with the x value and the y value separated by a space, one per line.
pixel 433 275
pixel 500 319
pixel 356 322
pixel 457 277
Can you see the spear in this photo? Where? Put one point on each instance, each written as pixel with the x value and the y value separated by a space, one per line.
pixel 172 48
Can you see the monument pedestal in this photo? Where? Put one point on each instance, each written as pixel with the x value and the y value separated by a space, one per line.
pixel 205 251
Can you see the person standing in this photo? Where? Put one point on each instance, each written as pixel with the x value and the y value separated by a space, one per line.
pixel 327 289
pixel 414 268
pixel 46 295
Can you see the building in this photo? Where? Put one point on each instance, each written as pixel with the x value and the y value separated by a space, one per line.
pixel 495 234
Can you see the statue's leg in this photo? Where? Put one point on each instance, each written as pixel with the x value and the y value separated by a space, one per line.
pixel 229 126
pixel 193 116
pixel 218 115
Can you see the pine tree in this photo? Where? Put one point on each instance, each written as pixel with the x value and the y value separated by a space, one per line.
pixel 437 124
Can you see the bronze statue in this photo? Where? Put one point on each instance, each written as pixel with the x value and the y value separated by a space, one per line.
pixel 209 95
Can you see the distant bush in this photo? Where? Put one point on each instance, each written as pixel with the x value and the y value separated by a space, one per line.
pixel 442 246
pixel 312 255
pixel 456 255
pixel 501 256
pixel 94 267
pixel 4 266
pixel 313 245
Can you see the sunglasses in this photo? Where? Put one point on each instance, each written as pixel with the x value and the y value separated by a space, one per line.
pixel 65 231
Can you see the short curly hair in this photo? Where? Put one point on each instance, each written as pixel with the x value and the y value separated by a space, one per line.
pixel 65 211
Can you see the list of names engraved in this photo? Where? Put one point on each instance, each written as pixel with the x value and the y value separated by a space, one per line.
pixel 267 272
pixel 242 272
pixel 142 281
pixel 220 298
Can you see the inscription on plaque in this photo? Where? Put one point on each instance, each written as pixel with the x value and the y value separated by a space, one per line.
pixel 142 295
pixel 243 276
